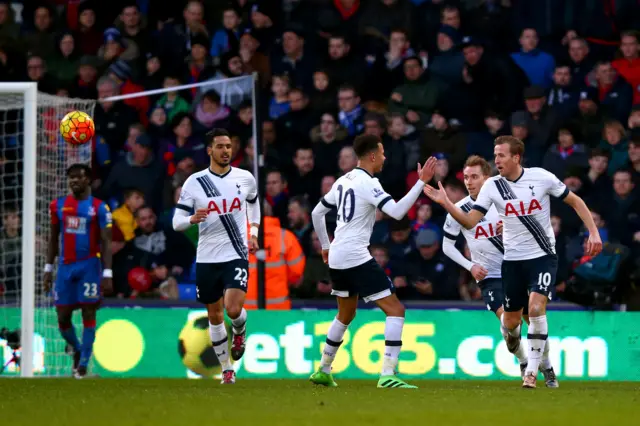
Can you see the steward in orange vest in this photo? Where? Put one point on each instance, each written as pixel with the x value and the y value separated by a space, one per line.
pixel 284 266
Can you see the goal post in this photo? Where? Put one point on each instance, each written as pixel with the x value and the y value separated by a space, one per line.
pixel 29 92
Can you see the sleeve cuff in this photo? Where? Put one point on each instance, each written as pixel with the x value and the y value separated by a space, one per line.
pixel 479 208
pixel 326 203
pixel 183 207
pixel 252 200
pixel 564 194
pixel 384 201
pixel 450 236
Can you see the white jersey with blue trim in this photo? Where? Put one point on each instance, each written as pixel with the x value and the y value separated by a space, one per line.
pixel 223 235
pixel 525 209
pixel 356 195
pixel 485 245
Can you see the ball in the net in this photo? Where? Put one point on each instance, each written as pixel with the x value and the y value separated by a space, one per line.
pixel 77 128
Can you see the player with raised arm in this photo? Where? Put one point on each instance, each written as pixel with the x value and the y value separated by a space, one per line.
pixel 219 200
pixel 486 247
pixel 521 196
pixel 353 271
pixel 81 238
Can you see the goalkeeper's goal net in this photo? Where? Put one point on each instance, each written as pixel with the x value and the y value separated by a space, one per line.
pixel 33 163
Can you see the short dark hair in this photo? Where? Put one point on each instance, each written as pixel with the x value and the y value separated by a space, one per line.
pixel 598 152
pixel 130 191
pixel 455 184
pixel 143 207
pixel 302 201
pixel 79 167
pixel 214 133
pixel 364 144
pixel 516 146
pixel 213 96
pixel 348 87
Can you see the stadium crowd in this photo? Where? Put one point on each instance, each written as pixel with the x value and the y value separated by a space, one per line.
pixel 430 77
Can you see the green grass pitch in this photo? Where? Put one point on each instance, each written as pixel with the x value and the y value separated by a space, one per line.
pixel 124 402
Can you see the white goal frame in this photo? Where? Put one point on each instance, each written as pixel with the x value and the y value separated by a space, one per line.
pixel 29 92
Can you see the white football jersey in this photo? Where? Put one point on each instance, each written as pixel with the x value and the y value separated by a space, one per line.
pixel 223 235
pixel 356 196
pixel 525 209
pixel 484 243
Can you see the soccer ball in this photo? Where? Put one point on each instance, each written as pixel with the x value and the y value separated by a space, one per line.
pixel 77 128
pixel 195 350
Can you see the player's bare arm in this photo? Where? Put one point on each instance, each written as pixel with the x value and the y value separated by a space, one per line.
pixel 52 252
pixel 594 243
pixel 106 254
pixel 468 220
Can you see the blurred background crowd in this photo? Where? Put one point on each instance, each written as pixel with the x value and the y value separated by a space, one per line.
pixel 430 77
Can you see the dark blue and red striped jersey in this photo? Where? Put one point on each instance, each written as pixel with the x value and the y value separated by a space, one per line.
pixel 80 224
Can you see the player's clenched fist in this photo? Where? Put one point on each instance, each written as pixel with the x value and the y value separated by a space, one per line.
pixel 199 217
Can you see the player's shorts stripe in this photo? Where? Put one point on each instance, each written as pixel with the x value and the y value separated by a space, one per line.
pixel 252 200
pixel 497 243
pixel 332 343
pixel 220 341
pixel 450 236
pixel 537 336
pixel 393 342
pixel 326 203
pixel 564 194
pixel 538 233
pixel 479 208
pixel 234 235
pixel 183 207
pixel 384 201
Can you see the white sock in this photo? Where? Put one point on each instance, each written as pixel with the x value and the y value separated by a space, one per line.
pixel 333 342
pixel 520 352
pixel 238 324
pixel 392 344
pixel 545 363
pixel 218 334
pixel 537 338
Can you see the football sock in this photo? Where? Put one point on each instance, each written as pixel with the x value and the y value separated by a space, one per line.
pixel 218 334
pixel 88 337
pixel 331 345
pixel 69 335
pixel 520 352
pixel 238 324
pixel 537 339
pixel 545 363
pixel 392 344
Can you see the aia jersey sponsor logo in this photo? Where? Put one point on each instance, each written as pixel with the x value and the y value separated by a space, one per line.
pixel 521 208
pixel 75 225
pixel 485 231
pixel 224 206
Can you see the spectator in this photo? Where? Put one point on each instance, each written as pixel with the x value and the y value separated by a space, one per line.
pixel 579 61
pixel 131 27
pixel 172 102
pixel 542 123
pixel 407 136
pixel 88 37
pixel 228 37
pixel 305 180
pixel 316 282
pixel 37 72
pixel 112 119
pixel 142 167
pixel 449 61
pixel 597 178
pixel 252 59
pixel 431 275
pixel 120 73
pixel 342 65
pixel 152 249
pixel 347 160
pixel 199 63
pixel 10 251
pixel 84 83
pixel 442 136
pixel 295 58
pixel 328 139
pixel 183 142
pixel 9 29
pixel 481 142
pixel 153 78
pixel 628 66
pixel 590 119
pixel 299 216
pixel 210 112
pixel 351 112
pixel 379 17
pixel 622 210
pixel 418 97
pixel 562 97
pixel 565 154
pixel 279 103
pixel 296 124
pixel 323 95
pixel 41 41
pixel 634 158
pixel 424 213
pixel 63 64
pixel 538 65
pixel 262 24
pixel 115 47
pixel 277 195
pixel 615 94
pixel 387 72
pixel 616 145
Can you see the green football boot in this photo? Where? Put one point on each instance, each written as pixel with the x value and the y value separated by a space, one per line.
pixel 394 382
pixel 322 378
